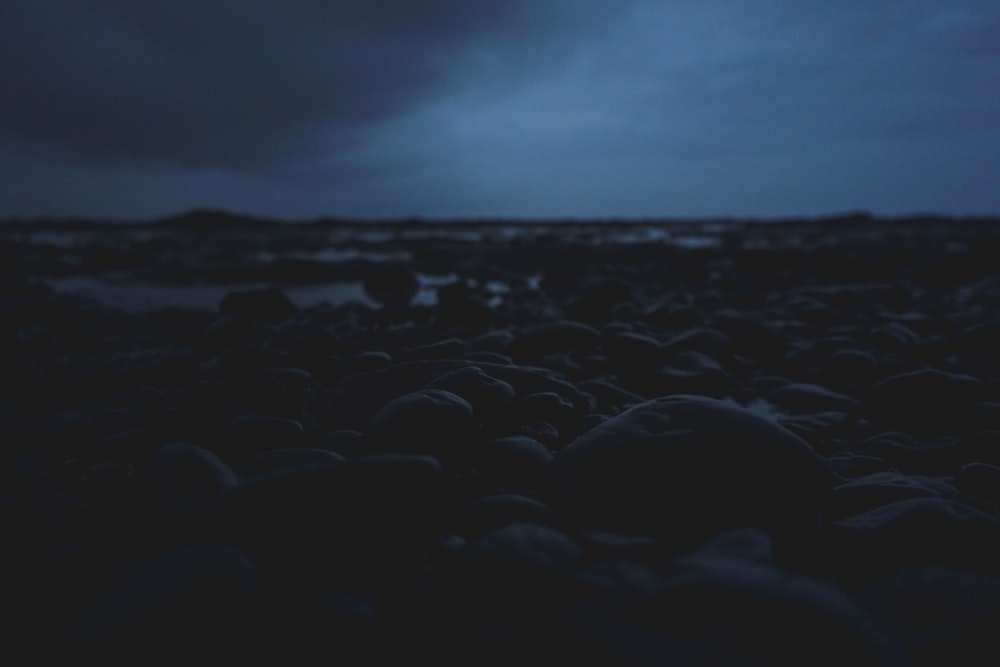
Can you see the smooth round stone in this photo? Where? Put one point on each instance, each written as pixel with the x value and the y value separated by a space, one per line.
pixel 920 531
pixel 980 340
pixel 689 372
pixel 488 513
pixel 852 466
pixel 345 442
pixel 184 479
pixel 517 569
pixel 686 466
pixel 928 399
pixel 597 301
pixel 608 396
pixel 711 612
pixel 245 437
pixel 848 368
pixel 980 480
pixel 529 545
pixel 489 397
pixel 628 348
pixel 268 303
pixel 130 445
pixel 546 406
pixel 183 602
pixel 802 397
pixel 278 460
pixel 513 462
pixel 941 616
pixel 429 421
pixel 875 490
pixel 550 337
pixel 712 342
pixel 391 284
pixel 355 400
pixel 37 526
pixel 357 519
pixel 450 348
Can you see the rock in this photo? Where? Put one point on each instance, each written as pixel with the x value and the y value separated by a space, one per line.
pixel 712 342
pixel 449 348
pixel 345 442
pixel 269 303
pixel 245 437
pixel 714 611
pixel 609 396
pixel 561 336
pixel 195 601
pixel 893 337
pixel 183 480
pixel 926 400
pixel 684 467
pixel 546 406
pixel 355 400
pixel 872 491
pixel 918 531
pixel 938 615
pixel 38 527
pixel 630 349
pixel 430 421
pixel 348 523
pixel 392 284
pixel 597 302
pixel 799 397
pixel 486 586
pixel 490 398
pixel 486 514
pixel 513 462
pixel 981 481
pixel 277 460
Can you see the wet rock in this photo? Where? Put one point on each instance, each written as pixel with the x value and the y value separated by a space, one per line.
pixel 683 466
pixel 449 348
pixel 392 284
pixel 596 303
pixel 194 601
pixel 802 397
pixel 719 611
pixel 712 342
pixel 872 491
pixel 278 460
pixel 488 513
pixel 919 531
pixel 358 521
pixel 630 349
pixel 269 303
pixel 245 437
pixel 430 421
pixel 517 462
pixel 490 398
pixel 926 399
pixel 561 336
pixel 345 442
pixel 183 480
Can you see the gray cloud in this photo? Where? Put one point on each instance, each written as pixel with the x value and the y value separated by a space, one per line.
pixel 585 108
pixel 239 84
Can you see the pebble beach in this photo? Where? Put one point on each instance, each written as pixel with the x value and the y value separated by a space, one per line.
pixel 711 443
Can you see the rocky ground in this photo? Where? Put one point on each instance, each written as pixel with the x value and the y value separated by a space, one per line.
pixel 769 444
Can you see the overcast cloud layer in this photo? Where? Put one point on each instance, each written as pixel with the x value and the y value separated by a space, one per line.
pixel 545 108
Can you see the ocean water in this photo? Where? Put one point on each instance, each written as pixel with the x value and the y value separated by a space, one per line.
pixel 379 244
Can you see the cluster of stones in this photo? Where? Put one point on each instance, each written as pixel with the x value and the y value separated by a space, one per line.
pixel 721 478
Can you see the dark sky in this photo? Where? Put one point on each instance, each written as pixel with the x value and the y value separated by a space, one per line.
pixel 525 108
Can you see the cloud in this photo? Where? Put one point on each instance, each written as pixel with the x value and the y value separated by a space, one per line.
pixel 449 107
pixel 247 84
